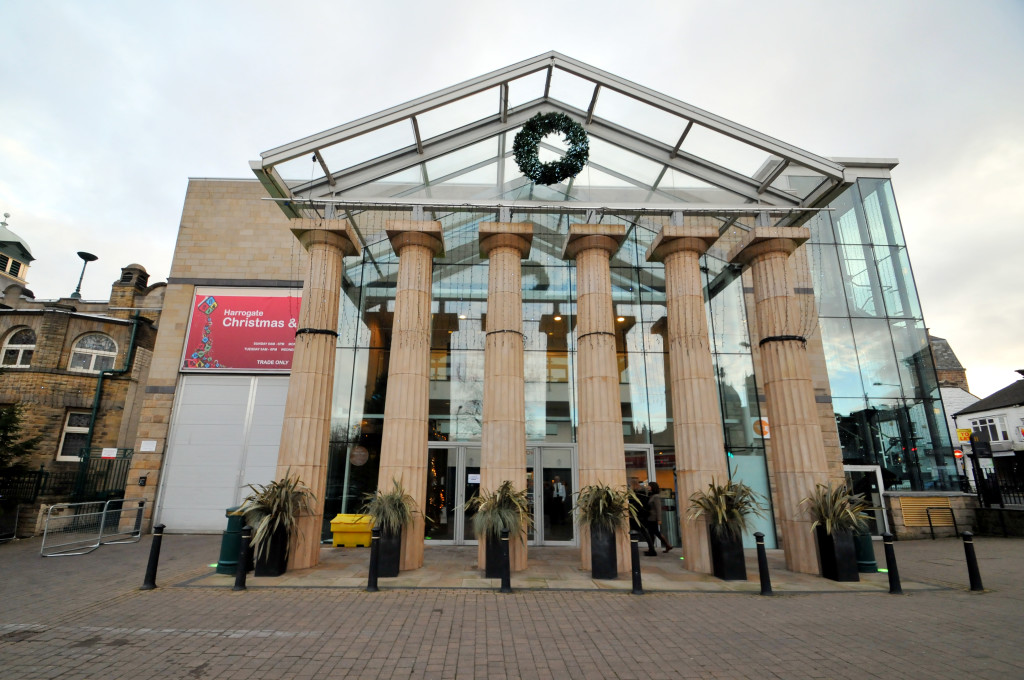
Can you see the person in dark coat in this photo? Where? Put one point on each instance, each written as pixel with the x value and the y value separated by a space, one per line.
pixel 653 522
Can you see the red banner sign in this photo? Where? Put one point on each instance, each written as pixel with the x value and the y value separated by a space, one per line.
pixel 241 332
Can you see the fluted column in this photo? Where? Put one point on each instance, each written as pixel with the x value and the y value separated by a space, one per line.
pixel 696 415
pixel 601 450
pixel 503 444
pixel 305 433
pixel 798 452
pixel 403 449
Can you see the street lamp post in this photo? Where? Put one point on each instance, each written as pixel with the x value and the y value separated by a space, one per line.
pixel 86 259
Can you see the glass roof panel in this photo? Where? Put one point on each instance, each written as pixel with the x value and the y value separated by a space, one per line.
pixel 798 181
pixel 690 189
pixel 626 162
pixel 633 114
pixel 460 159
pixel 369 146
pixel 459 113
pixel 526 89
pixel 571 90
pixel 302 169
pixel 724 151
pixel 391 185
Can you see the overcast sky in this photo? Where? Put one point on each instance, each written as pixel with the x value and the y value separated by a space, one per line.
pixel 107 108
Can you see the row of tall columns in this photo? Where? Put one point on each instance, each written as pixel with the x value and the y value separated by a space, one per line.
pixel 798 459
pixel 798 456
pixel 403 448
pixel 503 441
pixel 599 432
pixel 305 431
pixel 696 415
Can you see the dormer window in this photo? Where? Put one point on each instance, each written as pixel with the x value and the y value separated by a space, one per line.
pixel 19 348
pixel 93 353
pixel 9 266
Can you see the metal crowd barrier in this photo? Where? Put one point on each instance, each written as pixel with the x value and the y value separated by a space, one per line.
pixel 80 528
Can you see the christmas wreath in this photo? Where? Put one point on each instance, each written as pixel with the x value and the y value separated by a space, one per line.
pixel 524 148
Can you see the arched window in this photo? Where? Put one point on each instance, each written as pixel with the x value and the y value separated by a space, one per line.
pixel 20 346
pixel 93 353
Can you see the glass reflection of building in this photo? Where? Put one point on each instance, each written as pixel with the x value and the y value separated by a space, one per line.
pixel 884 388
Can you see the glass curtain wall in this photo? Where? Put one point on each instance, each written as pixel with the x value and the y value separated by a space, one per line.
pixel 884 388
pixel 459 312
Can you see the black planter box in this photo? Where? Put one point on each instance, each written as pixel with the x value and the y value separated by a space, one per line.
pixel 604 563
pixel 274 560
pixel 492 557
pixel 389 556
pixel 837 556
pixel 727 560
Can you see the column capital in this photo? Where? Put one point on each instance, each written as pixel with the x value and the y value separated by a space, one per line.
pixel 404 233
pixel 763 240
pixel 518 235
pixel 676 238
pixel 607 237
pixel 338 233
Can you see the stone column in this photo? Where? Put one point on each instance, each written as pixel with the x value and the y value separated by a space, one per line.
pixel 798 451
pixel 403 449
pixel 305 433
pixel 696 415
pixel 503 444
pixel 601 450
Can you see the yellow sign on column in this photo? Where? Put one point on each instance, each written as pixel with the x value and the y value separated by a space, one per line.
pixel 963 435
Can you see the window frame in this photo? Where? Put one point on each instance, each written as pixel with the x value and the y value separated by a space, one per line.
pixel 20 348
pixel 993 426
pixel 66 429
pixel 92 353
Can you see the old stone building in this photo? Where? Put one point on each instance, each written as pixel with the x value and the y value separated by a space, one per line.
pixel 77 367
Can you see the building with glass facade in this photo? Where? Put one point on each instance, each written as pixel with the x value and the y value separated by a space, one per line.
pixel 700 301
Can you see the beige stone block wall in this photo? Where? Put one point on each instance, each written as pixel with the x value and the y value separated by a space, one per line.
pixel 228 235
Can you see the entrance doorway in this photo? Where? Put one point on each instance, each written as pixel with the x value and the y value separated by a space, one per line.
pixel 867 480
pixel 552 480
pixel 453 477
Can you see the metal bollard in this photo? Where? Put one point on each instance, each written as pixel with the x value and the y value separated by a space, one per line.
pixel 149 583
pixel 890 564
pixel 243 558
pixel 371 582
pixel 634 556
pixel 762 564
pixel 972 562
pixel 506 568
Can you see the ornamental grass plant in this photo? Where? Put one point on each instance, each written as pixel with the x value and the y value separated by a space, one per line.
pixel 273 507
pixel 836 509
pixel 726 507
pixel 390 510
pixel 603 507
pixel 503 508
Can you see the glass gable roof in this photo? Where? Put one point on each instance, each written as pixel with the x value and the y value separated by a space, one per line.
pixel 455 146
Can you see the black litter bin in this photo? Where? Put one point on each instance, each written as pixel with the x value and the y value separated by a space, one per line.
pixel 230 542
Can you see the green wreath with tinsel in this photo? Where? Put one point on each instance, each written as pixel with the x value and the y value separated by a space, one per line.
pixel 524 148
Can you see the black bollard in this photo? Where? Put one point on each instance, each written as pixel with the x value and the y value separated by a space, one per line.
pixel 890 564
pixel 243 558
pixel 149 583
pixel 762 564
pixel 972 562
pixel 506 568
pixel 371 582
pixel 634 556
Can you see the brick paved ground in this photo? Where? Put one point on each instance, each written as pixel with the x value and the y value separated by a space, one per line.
pixel 83 617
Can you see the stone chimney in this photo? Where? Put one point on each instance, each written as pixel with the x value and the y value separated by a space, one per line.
pixel 133 281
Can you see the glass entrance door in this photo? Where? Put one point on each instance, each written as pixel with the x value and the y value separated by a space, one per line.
pixel 867 480
pixel 551 477
pixel 453 477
